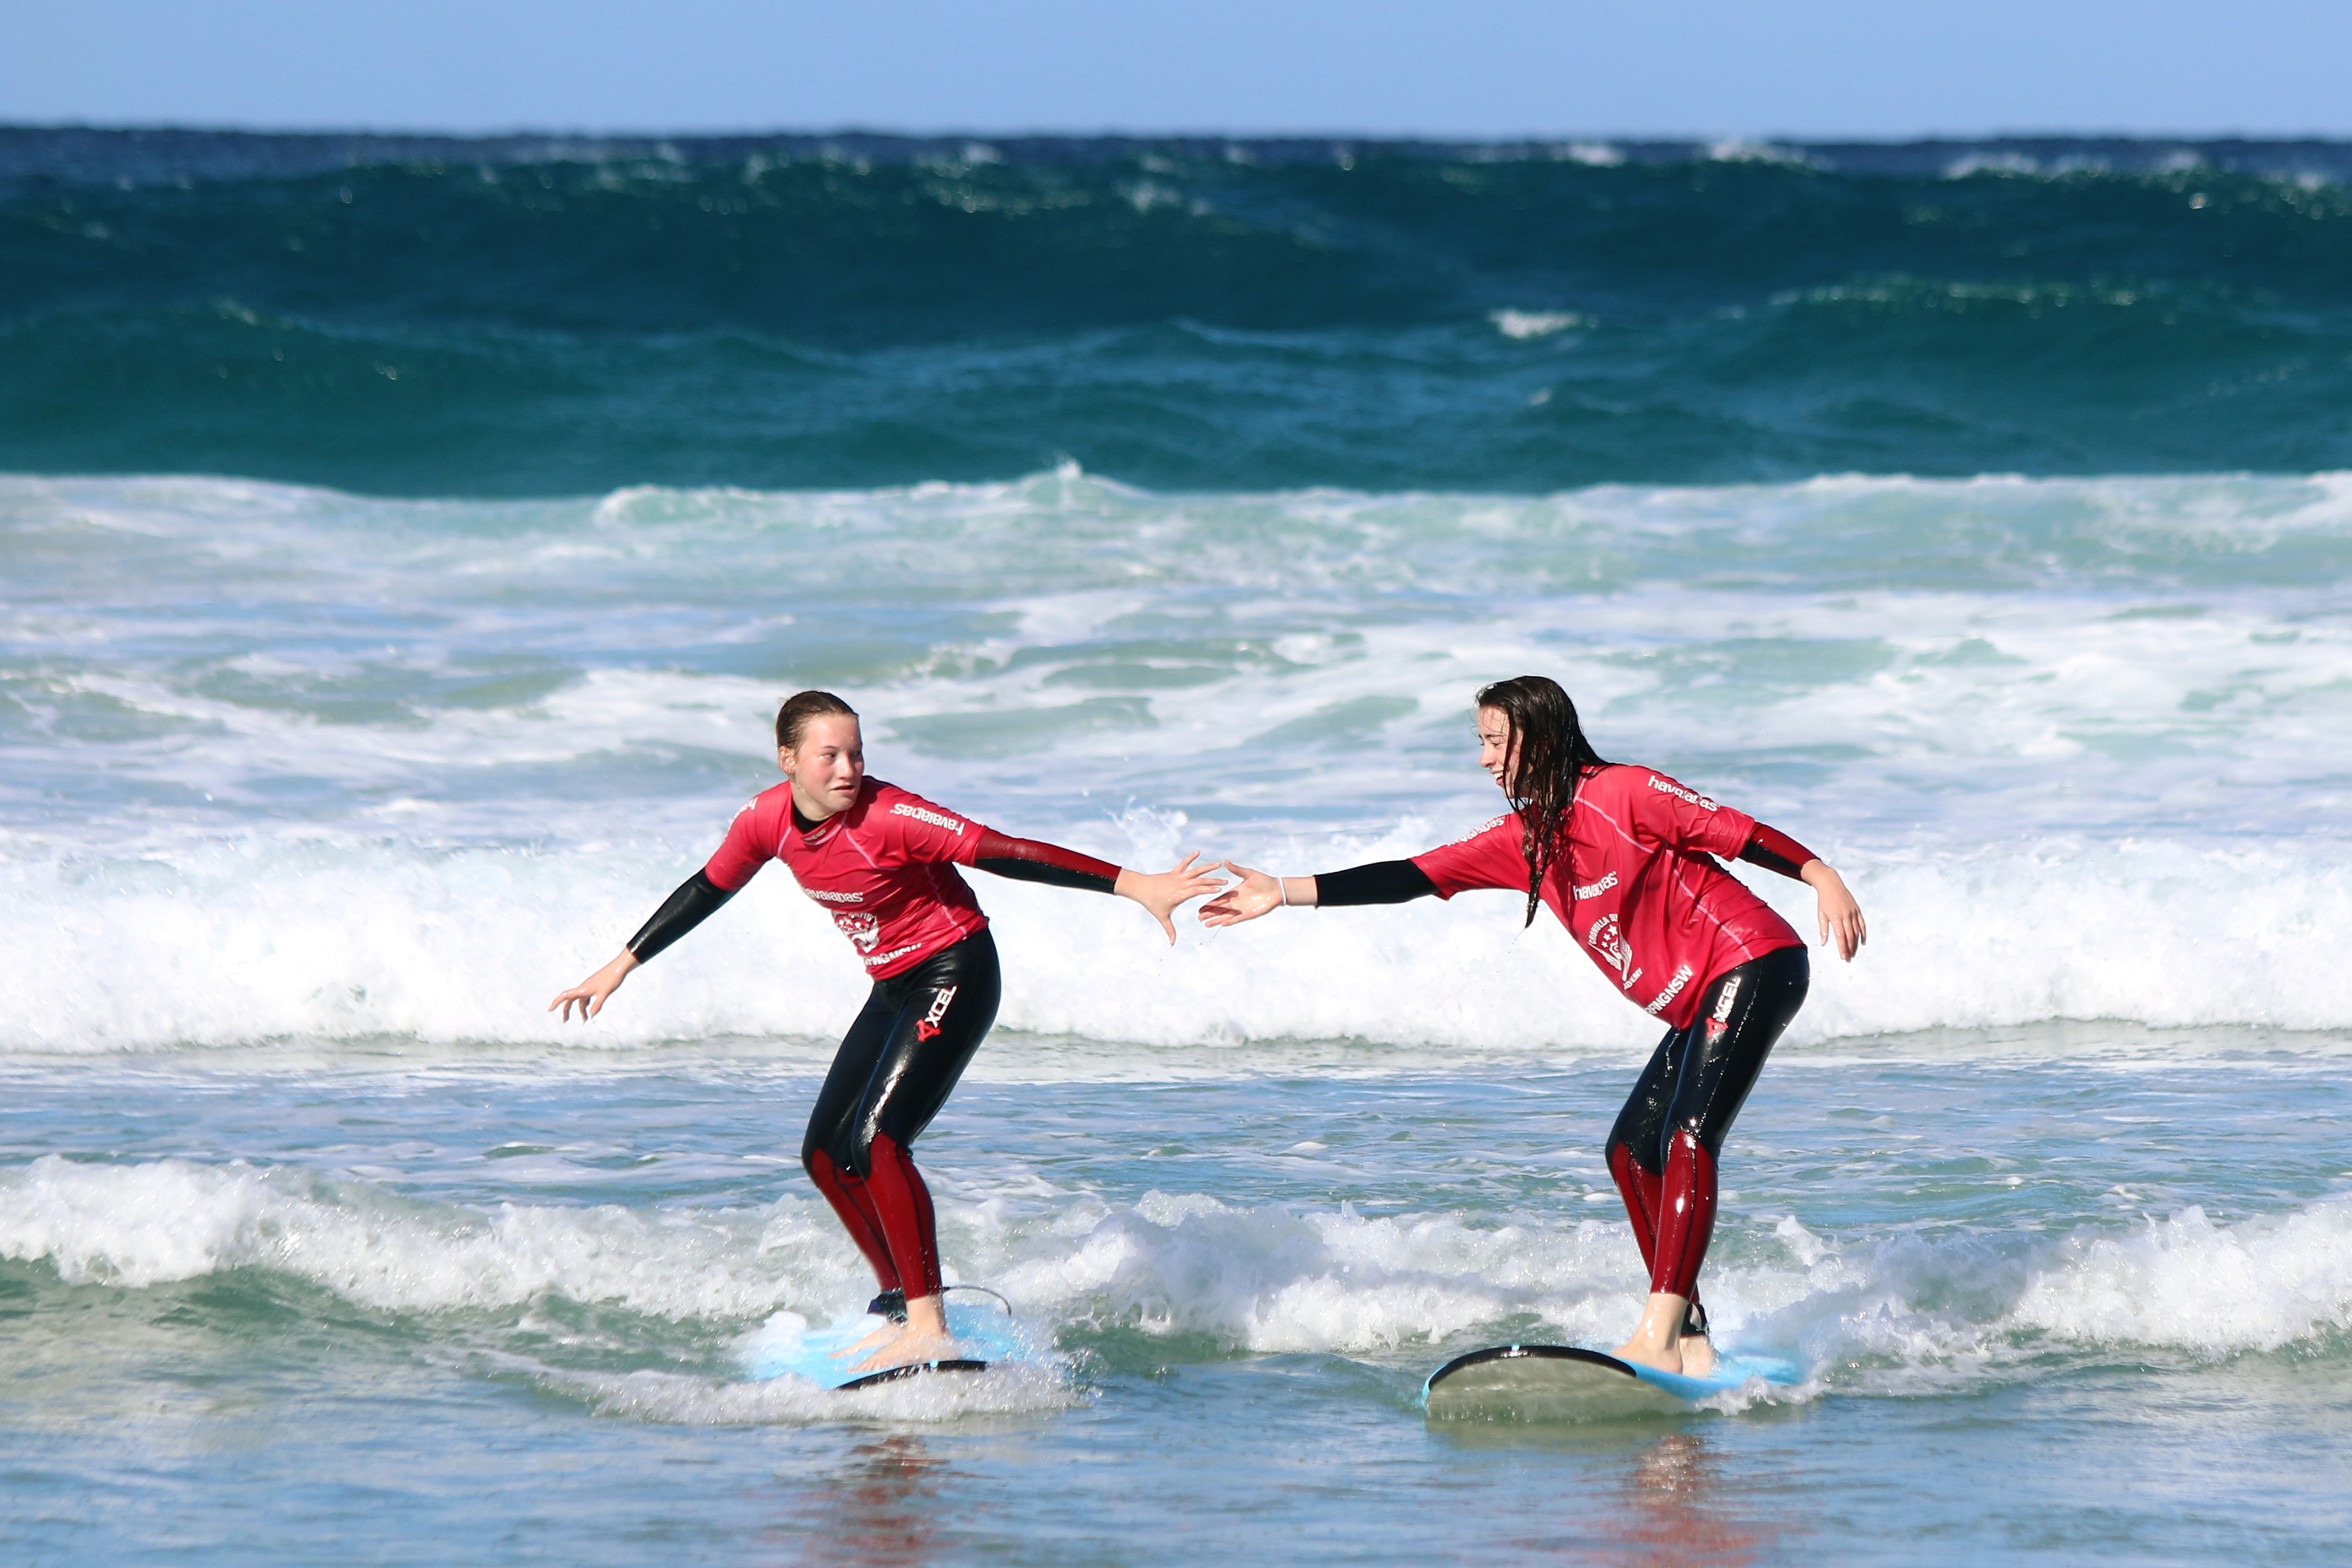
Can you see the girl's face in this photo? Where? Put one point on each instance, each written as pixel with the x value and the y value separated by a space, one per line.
pixel 827 768
pixel 1494 746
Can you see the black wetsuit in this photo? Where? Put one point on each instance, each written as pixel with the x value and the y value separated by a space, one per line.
pixel 920 1026
pixel 896 1066
pixel 1663 1150
pixel 1683 1103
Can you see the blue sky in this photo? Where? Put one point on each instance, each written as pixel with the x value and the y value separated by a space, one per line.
pixel 1462 67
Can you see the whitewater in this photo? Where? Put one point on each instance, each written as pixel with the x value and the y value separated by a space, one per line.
pixel 288 763
pixel 309 1212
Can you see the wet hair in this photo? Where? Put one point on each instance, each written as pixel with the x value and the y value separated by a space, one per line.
pixel 792 718
pixel 1549 755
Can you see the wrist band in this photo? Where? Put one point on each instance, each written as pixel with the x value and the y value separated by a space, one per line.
pixel 1282 888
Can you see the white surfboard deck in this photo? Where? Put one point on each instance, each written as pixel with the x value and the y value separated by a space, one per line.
pixel 1568 1383
pixel 785 1346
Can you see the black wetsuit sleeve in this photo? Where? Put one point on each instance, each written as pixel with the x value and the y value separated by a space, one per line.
pixel 696 900
pixel 1033 860
pixel 1381 882
pixel 1776 851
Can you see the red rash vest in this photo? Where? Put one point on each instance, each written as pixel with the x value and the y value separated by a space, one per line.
pixel 1639 888
pixel 884 869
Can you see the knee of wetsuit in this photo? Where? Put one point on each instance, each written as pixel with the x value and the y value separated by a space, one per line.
pixel 853 1150
pixel 1690 1135
pixel 821 1166
pixel 846 1157
pixel 845 1149
pixel 1623 1150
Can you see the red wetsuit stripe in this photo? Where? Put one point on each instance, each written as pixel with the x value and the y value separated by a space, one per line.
pixel 1640 1190
pixel 1776 851
pixel 904 1205
pixel 1032 860
pixel 1685 1216
pixel 853 1203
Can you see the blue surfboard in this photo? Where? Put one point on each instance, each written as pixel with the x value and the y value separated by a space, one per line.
pixel 1568 1382
pixel 986 1334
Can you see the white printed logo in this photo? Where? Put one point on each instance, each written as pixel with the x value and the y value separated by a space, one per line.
pixel 880 959
pixel 826 895
pixel 933 817
pixel 928 1025
pixel 863 930
pixel 1673 989
pixel 1731 994
pixel 1720 1019
pixel 1681 794
pixel 1605 940
pixel 1594 889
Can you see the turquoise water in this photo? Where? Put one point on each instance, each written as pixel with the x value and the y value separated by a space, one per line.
pixel 346 716
pixel 520 317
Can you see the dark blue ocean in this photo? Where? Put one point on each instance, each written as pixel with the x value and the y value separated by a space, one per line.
pixel 404 544
pixel 426 317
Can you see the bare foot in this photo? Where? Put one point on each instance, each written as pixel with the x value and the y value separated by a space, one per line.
pixel 906 1347
pixel 1698 1356
pixel 1666 1359
pixel 883 1335
pixel 1658 1340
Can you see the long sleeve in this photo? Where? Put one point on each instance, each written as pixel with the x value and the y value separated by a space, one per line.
pixel 696 900
pixel 1776 851
pixel 1380 882
pixel 1033 861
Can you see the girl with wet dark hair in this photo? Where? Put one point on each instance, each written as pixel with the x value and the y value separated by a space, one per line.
pixel 1625 856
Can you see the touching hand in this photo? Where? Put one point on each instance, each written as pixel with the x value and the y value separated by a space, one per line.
pixel 1244 901
pixel 591 993
pixel 1840 916
pixel 1165 892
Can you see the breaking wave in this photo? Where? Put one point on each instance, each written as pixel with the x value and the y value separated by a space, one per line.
pixel 1897 1313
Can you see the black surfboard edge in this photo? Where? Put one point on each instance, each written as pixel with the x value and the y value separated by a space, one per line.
pixel 912 1369
pixel 1513 1352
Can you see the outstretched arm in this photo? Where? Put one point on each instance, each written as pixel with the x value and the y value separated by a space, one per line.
pixel 1033 861
pixel 696 900
pixel 1381 882
pixel 1840 917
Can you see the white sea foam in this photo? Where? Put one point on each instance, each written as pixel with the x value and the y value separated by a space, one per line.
pixel 332 767
pixel 1903 1308
pixel 1525 324
pixel 229 945
pixel 138 1225
pixel 1592 155
pixel 2184 1280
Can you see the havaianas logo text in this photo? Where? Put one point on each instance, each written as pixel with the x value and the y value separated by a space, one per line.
pixel 824 896
pixel 1594 889
pixel 933 817
pixel 1669 787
